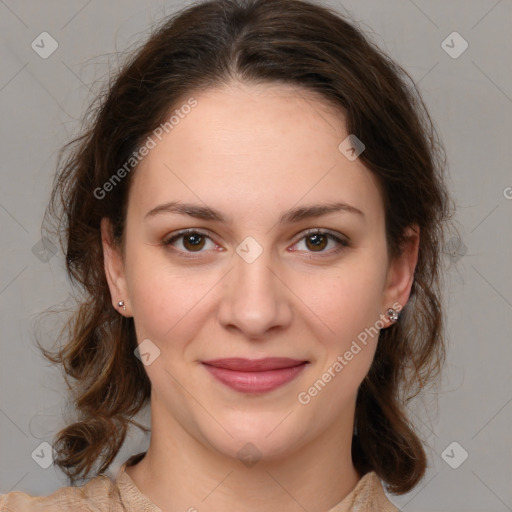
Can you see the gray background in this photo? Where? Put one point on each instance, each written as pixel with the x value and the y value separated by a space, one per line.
pixel 470 99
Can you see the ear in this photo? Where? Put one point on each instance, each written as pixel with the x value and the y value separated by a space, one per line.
pixel 114 269
pixel 401 269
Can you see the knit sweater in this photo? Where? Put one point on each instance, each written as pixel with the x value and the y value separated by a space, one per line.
pixel 103 494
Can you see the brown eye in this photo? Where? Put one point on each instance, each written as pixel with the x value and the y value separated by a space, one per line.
pixel 192 241
pixel 318 242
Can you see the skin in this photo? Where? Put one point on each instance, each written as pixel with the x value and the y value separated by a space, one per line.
pixel 253 152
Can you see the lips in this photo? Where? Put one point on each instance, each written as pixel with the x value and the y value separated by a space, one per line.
pixel 255 375
pixel 254 365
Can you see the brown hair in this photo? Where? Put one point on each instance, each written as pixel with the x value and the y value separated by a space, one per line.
pixel 209 44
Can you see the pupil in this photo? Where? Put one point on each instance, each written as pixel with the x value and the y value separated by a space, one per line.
pixel 193 241
pixel 320 240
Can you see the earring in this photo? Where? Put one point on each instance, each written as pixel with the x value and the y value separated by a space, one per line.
pixel 392 314
pixel 121 305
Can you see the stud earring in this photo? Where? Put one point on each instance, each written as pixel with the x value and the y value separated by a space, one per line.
pixel 392 314
pixel 121 305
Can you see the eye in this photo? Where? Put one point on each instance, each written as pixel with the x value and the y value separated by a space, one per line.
pixel 316 240
pixel 192 241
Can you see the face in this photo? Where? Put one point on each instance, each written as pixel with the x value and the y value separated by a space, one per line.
pixel 255 281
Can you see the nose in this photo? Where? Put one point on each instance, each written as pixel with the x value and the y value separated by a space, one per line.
pixel 255 298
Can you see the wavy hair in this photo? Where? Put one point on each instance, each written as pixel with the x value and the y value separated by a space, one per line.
pixel 209 44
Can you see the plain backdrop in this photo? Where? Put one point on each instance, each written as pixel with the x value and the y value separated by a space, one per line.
pixel 469 95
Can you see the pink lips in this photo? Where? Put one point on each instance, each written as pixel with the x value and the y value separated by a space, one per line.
pixel 255 375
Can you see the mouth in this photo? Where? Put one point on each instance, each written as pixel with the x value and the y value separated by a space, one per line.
pixel 255 375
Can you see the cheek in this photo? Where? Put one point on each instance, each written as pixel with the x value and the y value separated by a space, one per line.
pixel 344 301
pixel 350 309
pixel 349 304
pixel 174 306
pixel 164 298
pixel 171 303
pixel 166 307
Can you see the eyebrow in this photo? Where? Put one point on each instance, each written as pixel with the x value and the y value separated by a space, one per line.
pixel 290 216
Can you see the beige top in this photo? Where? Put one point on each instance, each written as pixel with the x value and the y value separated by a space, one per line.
pixel 102 494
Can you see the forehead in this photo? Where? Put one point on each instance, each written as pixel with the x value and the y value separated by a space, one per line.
pixel 254 145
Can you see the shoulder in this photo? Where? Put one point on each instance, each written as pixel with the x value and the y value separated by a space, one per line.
pixel 369 496
pixel 98 495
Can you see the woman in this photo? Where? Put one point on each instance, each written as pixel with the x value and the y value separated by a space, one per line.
pixel 255 215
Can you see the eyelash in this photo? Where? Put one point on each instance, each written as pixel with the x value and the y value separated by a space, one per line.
pixel 342 242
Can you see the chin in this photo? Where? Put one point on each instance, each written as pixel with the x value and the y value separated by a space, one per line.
pixel 256 436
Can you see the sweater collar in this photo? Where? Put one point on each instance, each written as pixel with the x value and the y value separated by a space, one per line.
pixel 367 496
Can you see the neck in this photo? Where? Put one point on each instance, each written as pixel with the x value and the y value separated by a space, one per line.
pixel 181 473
